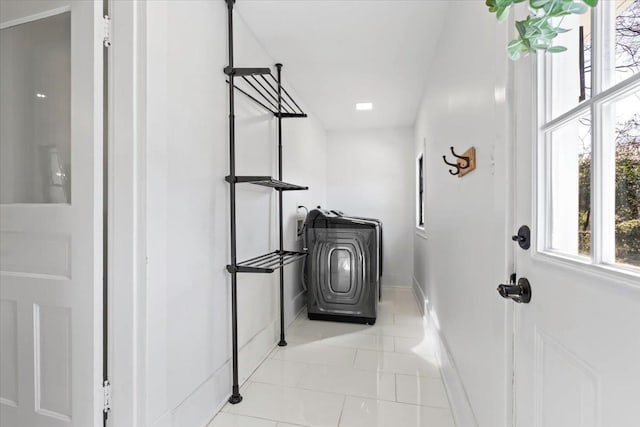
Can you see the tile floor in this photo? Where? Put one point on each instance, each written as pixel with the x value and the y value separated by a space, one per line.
pixel 345 375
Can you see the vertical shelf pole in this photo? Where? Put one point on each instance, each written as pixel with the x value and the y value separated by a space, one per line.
pixel 236 397
pixel 282 342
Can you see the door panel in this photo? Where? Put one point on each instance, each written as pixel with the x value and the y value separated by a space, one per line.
pixel 50 213
pixel 576 344
pixel 52 364
pixel 9 353
pixel 44 254
pixel 564 377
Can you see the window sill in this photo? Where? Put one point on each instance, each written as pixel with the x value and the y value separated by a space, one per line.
pixel 627 276
pixel 420 232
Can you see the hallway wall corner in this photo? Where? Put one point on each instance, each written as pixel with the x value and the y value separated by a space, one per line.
pixel 458 398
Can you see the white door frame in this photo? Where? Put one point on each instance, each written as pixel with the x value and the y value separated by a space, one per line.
pixel 505 108
pixel 512 93
pixel 127 211
pixel 127 284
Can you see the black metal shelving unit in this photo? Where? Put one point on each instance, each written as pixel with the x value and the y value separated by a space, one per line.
pixel 262 87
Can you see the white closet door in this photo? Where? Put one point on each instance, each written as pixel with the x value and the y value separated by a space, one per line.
pixel 50 213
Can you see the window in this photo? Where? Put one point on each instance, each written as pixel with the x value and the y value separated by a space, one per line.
pixel 35 107
pixel 420 192
pixel 590 138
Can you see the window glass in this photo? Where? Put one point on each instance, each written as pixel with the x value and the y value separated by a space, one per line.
pixel 627 179
pixel 626 39
pixel 584 153
pixel 420 187
pixel 35 111
pixel 570 174
pixel 570 81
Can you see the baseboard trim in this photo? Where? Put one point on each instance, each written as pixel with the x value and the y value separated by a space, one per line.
pixel 298 303
pixel 226 368
pixel 214 392
pixel 420 297
pixel 460 405
pixel 395 280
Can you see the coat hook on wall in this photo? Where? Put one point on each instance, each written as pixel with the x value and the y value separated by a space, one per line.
pixel 455 165
pixel 464 164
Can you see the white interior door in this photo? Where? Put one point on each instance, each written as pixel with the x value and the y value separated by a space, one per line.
pixel 577 343
pixel 50 213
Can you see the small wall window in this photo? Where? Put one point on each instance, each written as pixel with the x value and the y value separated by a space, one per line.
pixel 420 191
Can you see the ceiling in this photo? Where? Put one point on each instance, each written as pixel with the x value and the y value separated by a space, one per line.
pixel 337 53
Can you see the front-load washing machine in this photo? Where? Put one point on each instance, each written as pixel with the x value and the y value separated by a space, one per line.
pixel 344 266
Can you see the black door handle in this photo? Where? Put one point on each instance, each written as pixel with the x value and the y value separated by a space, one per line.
pixel 520 292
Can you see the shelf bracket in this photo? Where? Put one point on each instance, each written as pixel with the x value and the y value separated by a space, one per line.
pixel 290 115
pixel 232 71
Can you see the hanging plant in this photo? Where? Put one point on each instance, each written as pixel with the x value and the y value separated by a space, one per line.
pixel 537 31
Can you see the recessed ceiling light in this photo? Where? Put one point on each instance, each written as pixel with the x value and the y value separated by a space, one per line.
pixel 41 95
pixel 364 106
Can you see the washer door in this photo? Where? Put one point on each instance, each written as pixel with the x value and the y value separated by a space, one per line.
pixel 341 272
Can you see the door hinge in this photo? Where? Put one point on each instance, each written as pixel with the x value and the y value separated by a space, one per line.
pixel 106 393
pixel 106 23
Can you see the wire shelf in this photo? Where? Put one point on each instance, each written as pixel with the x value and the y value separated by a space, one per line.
pixel 267 181
pixel 267 263
pixel 261 86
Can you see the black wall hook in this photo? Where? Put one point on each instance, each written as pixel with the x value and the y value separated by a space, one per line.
pixel 465 158
pixel 455 165
pixel 459 166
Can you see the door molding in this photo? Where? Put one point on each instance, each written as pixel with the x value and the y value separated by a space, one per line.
pixel 127 284
pixel 106 238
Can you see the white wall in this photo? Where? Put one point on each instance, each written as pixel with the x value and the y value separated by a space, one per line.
pixel 367 175
pixel 186 315
pixel 304 156
pixel 465 254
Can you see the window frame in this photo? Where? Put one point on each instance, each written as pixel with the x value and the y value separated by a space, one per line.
pixel 602 257
pixel 420 214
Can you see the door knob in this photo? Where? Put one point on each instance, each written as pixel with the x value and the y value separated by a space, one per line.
pixel 520 292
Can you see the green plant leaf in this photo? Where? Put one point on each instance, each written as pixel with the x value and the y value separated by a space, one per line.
pixel 515 44
pixel 540 28
pixel 538 4
pixel 576 8
pixel 522 28
pixel 502 13
pixel 515 52
pixel 514 56
pixel 556 49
